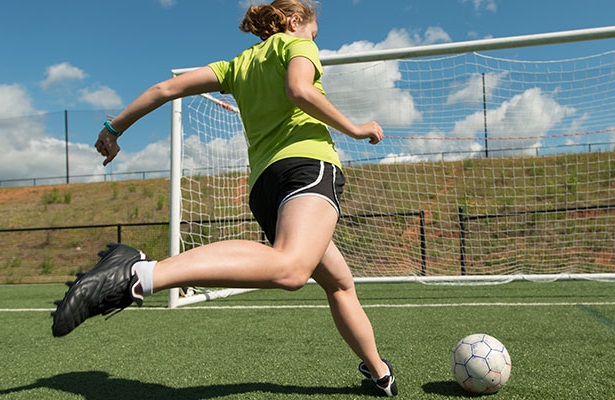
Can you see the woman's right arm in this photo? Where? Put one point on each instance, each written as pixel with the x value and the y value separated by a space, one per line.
pixel 301 91
pixel 202 80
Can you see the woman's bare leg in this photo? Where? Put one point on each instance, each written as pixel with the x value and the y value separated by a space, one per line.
pixel 305 228
pixel 353 324
pixel 303 248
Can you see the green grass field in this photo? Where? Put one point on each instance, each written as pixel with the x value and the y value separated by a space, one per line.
pixel 278 345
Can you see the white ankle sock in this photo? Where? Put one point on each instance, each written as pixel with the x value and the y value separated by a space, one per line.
pixel 387 373
pixel 145 273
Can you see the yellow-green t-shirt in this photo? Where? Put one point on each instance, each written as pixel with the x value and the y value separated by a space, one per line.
pixel 275 127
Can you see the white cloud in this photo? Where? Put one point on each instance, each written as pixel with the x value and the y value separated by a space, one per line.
pixel 208 157
pixel 368 91
pixel 167 3
pixel 435 150
pixel 29 151
pixel 230 152
pixel 396 38
pixel 60 73
pixel 491 5
pixel 472 90
pixel 18 121
pixel 41 156
pixel 488 5
pixel 516 126
pixel 14 101
pixel 531 113
pixel 45 157
pixel 154 157
pixel 435 34
pixel 517 123
pixel 64 74
pixel 101 97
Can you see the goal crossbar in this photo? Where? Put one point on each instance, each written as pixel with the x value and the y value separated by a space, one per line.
pixel 511 42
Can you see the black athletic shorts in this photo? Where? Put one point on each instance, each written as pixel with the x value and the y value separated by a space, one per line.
pixel 290 178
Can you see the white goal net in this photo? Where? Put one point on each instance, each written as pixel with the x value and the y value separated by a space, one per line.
pixel 490 168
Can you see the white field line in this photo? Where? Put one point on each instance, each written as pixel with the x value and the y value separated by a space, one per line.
pixel 281 307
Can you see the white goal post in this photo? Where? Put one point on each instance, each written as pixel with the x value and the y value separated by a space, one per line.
pixel 492 169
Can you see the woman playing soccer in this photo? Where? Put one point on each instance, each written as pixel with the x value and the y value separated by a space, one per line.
pixel 295 184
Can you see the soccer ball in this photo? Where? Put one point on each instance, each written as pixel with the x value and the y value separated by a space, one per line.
pixel 481 364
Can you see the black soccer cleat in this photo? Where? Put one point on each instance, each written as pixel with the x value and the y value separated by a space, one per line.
pixel 110 285
pixel 385 386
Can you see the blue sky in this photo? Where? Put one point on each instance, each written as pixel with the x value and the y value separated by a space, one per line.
pixel 93 57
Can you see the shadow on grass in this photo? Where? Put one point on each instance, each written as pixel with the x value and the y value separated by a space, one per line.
pixel 447 388
pixel 99 385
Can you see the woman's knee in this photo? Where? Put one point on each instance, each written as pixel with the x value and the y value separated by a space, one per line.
pixel 295 275
pixel 292 282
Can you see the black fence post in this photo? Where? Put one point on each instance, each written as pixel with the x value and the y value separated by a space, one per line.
pixel 66 144
pixel 423 243
pixel 485 119
pixel 119 233
pixel 462 241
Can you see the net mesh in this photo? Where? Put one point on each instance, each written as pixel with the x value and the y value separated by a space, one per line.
pixel 489 166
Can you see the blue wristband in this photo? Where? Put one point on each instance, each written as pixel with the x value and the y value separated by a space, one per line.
pixel 111 129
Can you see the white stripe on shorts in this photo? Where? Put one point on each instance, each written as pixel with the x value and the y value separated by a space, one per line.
pixel 297 193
